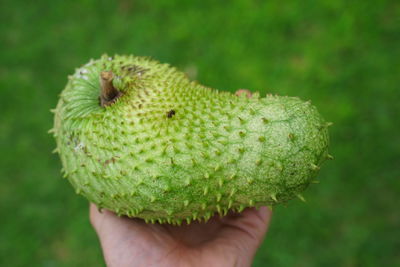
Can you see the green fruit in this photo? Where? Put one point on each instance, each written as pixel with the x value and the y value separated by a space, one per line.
pixel 141 139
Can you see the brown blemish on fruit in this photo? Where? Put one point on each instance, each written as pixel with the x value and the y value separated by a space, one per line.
pixel 171 113
pixel 111 160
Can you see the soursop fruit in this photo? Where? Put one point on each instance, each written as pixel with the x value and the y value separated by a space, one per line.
pixel 139 138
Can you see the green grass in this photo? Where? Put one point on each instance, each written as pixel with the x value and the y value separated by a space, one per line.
pixel 343 55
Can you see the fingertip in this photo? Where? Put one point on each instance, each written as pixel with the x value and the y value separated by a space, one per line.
pixel 93 213
pixel 96 214
pixel 265 213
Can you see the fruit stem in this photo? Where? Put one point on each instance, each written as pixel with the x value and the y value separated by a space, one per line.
pixel 108 93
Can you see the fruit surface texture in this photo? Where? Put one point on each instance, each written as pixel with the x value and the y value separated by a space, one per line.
pixel 139 138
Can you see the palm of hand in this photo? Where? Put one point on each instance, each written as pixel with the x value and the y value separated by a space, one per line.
pixel 228 241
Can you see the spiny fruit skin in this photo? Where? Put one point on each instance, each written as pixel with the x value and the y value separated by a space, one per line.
pixel 169 149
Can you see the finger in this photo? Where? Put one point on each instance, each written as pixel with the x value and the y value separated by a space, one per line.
pixel 106 220
pixel 98 217
pixel 120 237
pixel 94 215
pixel 243 91
pixel 110 227
pixel 247 230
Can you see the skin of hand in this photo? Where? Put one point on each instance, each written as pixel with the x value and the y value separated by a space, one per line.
pixel 231 240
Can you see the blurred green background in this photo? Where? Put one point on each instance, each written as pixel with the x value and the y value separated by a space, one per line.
pixel 343 55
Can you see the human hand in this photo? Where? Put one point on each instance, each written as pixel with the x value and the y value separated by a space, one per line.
pixel 228 241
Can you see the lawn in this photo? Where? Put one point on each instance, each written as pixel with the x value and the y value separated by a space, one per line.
pixel 342 55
